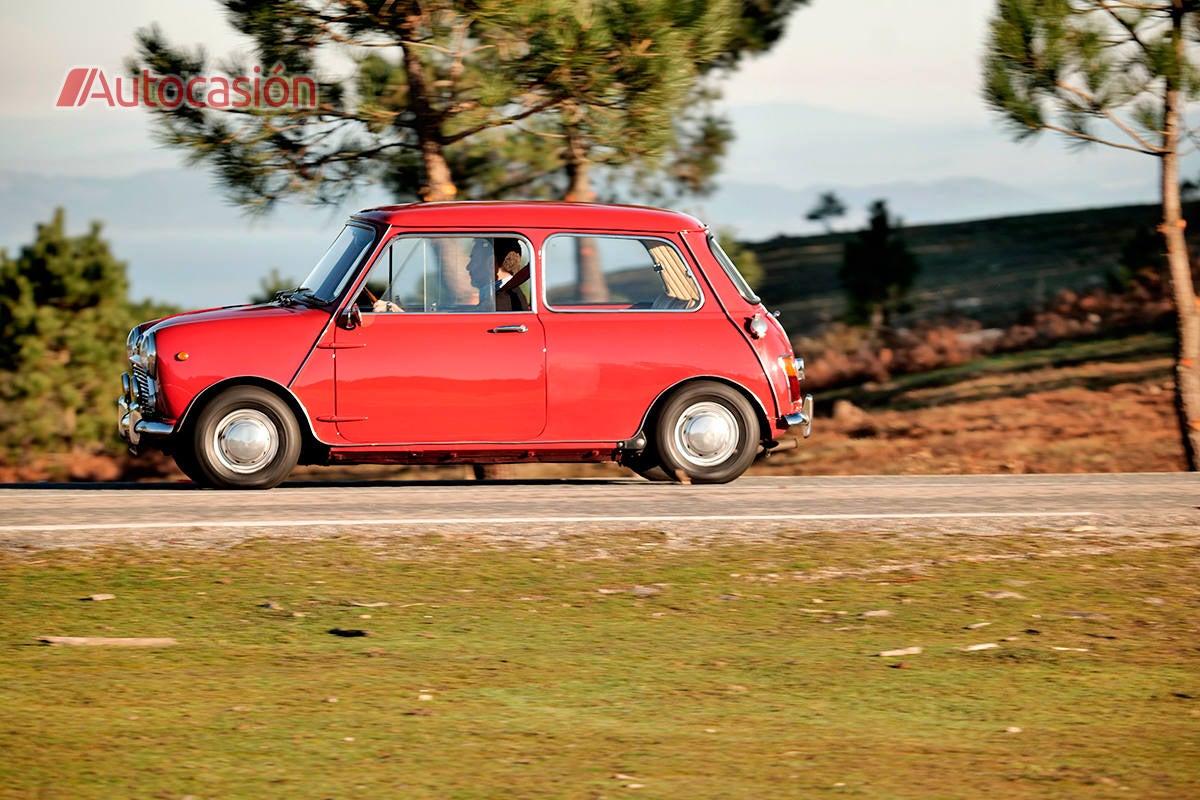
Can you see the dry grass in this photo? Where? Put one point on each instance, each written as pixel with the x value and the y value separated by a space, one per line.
pixel 1056 425
pixel 607 667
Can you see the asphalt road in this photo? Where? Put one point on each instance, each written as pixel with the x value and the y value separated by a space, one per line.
pixel 37 517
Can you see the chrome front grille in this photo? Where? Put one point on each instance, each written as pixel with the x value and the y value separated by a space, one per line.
pixel 145 391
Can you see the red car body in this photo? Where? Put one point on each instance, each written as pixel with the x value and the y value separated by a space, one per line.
pixel 572 377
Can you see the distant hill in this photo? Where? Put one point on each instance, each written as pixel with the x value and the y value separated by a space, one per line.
pixel 988 269
pixel 187 246
pixel 183 242
pixel 762 210
pixel 929 171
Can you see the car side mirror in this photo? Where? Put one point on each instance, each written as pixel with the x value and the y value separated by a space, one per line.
pixel 351 318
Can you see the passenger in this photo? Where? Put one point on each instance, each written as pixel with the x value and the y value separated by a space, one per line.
pixel 492 265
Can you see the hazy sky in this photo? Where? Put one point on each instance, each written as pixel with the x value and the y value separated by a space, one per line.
pixel 902 60
pixel 896 56
pixel 862 92
pixel 876 98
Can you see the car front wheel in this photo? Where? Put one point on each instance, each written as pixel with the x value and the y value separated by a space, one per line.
pixel 647 466
pixel 706 432
pixel 245 438
pixel 185 459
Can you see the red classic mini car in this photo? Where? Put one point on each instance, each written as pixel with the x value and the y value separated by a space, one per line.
pixel 478 333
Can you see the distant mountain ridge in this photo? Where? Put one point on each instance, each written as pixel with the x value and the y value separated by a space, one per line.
pixel 184 243
pixel 759 211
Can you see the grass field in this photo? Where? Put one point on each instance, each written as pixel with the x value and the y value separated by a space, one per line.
pixel 615 665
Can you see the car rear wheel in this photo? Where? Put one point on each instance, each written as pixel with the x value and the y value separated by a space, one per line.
pixel 707 433
pixel 245 438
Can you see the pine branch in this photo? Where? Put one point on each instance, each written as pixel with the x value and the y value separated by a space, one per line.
pixel 1129 28
pixel 1090 99
pixel 497 123
pixel 1089 138
pixel 1137 5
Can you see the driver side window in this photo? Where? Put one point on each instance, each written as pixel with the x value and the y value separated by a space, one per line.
pixel 421 274
pixel 408 276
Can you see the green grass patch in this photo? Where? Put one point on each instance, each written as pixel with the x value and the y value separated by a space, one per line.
pixel 609 666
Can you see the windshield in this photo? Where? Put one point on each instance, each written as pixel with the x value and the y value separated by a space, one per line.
pixel 732 271
pixel 331 273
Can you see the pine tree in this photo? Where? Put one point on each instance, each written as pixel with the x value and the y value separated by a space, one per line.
pixel 1118 73
pixel 828 207
pixel 473 95
pixel 64 316
pixel 877 268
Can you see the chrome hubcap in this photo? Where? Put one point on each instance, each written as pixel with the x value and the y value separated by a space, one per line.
pixel 706 434
pixel 245 441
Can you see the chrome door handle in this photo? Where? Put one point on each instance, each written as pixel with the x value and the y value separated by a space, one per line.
pixel 509 329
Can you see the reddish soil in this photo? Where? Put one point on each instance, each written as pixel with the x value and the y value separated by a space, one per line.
pixel 1130 427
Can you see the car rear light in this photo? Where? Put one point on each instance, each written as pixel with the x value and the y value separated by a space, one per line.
pixel 794 369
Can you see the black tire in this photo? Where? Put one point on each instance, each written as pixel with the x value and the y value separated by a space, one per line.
pixel 245 438
pixel 185 459
pixel 707 432
pixel 493 472
pixel 646 465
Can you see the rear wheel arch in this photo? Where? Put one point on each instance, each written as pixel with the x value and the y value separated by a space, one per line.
pixel 651 417
pixel 717 399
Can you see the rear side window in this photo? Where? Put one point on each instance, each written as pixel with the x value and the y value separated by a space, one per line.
pixel 747 293
pixel 617 273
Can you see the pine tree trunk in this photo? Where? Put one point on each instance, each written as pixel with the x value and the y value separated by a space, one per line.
pixel 590 276
pixel 1187 365
pixel 438 183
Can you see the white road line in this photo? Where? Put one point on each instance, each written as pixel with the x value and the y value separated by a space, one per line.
pixel 411 522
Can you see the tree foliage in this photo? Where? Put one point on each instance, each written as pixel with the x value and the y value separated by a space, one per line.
pixel 742 256
pixel 877 268
pixel 487 98
pixel 1094 70
pixel 620 82
pixel 64 316
pixel 271 284
pixel 1119 73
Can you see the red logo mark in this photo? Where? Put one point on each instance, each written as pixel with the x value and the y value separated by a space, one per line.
pixel 271 90
pixel 73 87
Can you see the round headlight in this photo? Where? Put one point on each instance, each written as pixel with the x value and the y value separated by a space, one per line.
pixel 131 342
pixel 147 353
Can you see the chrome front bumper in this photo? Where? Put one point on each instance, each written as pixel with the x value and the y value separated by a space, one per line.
pixel 802 419
pixel 130 423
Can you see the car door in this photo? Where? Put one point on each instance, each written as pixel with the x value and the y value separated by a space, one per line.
pixel 432 361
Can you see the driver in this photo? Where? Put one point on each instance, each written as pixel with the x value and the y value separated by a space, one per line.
pixel 385 305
